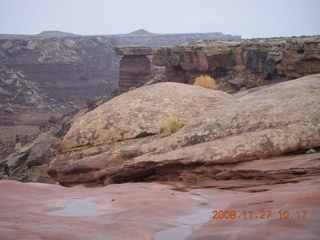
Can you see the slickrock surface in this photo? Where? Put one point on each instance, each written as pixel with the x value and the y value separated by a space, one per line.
pixel 172 210
pixel 142 110
pixel 242 63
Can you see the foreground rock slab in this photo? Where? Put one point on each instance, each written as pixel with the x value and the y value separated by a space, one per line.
pixel 164 211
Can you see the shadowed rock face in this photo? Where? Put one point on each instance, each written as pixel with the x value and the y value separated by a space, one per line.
pixel 101 148
pixel 242 63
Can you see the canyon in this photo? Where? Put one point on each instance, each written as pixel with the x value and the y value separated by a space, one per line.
pixel 251 146
pixel 50 74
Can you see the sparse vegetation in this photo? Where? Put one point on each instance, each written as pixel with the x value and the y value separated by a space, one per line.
pixel 205 81
pixel 170 126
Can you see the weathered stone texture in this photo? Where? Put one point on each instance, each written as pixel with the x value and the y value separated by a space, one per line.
pixel 227 61
pixel 271 121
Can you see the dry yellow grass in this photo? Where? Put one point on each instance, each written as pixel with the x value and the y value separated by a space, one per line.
pixel 170 126
pixel 205 81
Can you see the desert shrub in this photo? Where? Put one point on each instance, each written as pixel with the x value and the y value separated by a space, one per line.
pixel 205 81
pixel 170 126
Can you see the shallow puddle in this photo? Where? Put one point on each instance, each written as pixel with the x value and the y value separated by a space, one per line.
pixel 188 221
pixel 179 233
pixel 202 216
pixel 77 208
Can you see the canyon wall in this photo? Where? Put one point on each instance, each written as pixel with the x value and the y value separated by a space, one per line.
pixel 242 63
pixel 53 69
pixel 59 69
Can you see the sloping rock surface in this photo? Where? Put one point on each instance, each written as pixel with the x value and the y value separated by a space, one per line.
pixel 142 110
pixel 101 147
pixel 176 211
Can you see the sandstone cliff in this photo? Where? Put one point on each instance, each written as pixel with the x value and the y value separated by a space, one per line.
pixel 242 63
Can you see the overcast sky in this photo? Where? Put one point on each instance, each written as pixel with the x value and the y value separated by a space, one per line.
pixel 248 18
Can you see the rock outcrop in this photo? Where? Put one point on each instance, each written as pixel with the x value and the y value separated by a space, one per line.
pixel 242 63
pixel 103 146
pixel 135 66
pixel 141 111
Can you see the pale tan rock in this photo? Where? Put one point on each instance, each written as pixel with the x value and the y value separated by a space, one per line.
pixel 271 121
pixel 141 111
pixel 32 45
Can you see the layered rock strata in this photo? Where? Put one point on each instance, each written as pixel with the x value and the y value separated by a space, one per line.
pixel 135 66
pixel 242 63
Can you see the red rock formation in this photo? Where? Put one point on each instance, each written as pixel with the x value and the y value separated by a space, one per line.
pixel 242 63
pixel 134 72
pixel 135 67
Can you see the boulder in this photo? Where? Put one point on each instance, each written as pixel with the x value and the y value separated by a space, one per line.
pixel 29 163
pixel 42 152
pixel 141 111
pixel 102 146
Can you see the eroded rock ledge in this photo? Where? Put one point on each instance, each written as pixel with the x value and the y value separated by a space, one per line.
pixel 242 63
